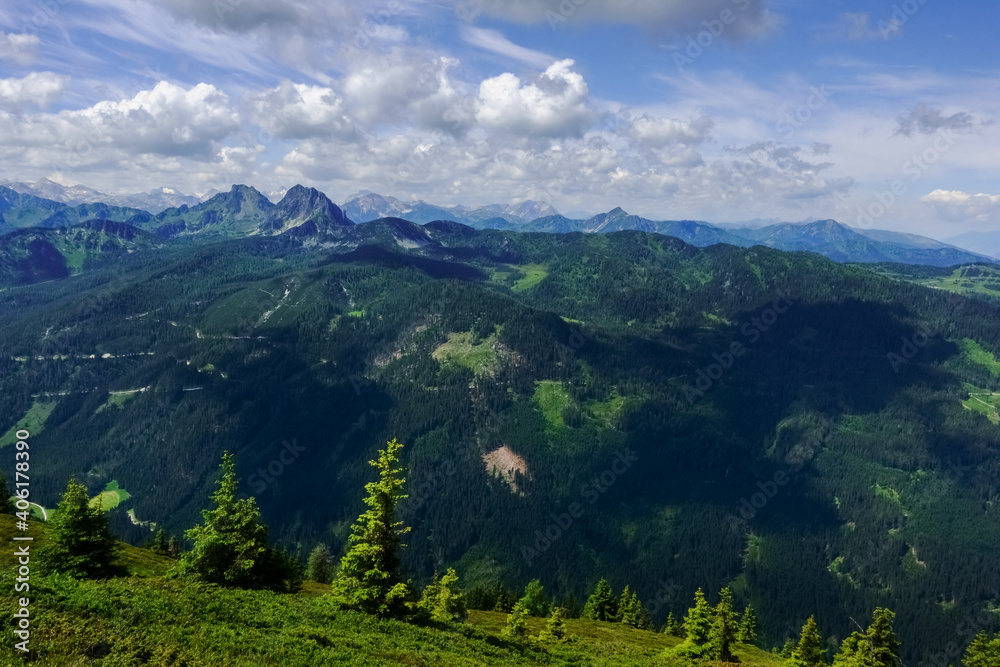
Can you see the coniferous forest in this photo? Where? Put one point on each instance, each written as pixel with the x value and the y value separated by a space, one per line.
pixel 717 449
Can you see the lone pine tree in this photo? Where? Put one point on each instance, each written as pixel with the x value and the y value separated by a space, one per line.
pixel 809 651
pixel 81 544
pixel 370 578
pixel 230 545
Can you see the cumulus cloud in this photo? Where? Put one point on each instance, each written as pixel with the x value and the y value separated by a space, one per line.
pixel 962 207
pixel 554 104
pixel 406 89
pixel 661 132
pixel 166 121
pixel 928 120
pixel 39 88
pixel 753 18
pixel 21 48
pixel 299 111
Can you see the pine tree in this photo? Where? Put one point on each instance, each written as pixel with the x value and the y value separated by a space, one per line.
pixel 442 601
pixel 673 626
pixel 722 638
pixel 517 624
pixel 555 629
pixel 81 543
pixel 748 627
pixel 159 543
pixel 809 651
pixel 698 622
pixel 788 648
pixel 370 579
pixel 876 647
pixel 882 645
pixel 320 566
pixel 535 600
pixel 601 605
pixel 627 612
pixel 983 652
pixel 230 545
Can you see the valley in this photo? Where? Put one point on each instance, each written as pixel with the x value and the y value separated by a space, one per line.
pixel 524 364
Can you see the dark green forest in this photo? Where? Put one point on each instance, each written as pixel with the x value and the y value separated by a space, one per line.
pixel 820 439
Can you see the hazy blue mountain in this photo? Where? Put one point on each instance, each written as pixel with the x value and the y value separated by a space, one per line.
pixel 903 239
pixel 845 244
pixel 19 211
pixel 366 206
pixel 696 233
pixel 153 201
pixel 986 243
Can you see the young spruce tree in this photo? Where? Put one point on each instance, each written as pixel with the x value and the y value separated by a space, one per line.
pixel 698 622
pixel 517 623
pixel 983 652
pixel 555 628
pixel 601 605
pixel 230 545
pixel 442 601
pixel 722 639
pixel 535 600
pixel 370 579
pixel 748 627
pixel 81 543
pixel 875 647
pixel 809 651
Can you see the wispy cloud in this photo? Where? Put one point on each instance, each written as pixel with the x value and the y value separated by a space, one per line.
pixel 495 42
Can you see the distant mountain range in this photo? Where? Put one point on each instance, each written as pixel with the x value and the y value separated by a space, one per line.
pixel 307 212
pixel 153 201
pixel 366 206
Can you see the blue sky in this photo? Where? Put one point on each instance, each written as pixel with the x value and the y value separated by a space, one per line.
pixel 878 114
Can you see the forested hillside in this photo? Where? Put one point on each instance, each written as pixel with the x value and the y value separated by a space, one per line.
pixel 819 438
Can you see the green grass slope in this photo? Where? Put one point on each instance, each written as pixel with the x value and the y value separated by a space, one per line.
pixel 148 619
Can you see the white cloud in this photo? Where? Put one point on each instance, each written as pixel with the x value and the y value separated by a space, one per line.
pixel 491 40
pixel 167 121
pixel 960 206
pixel 752 17
pixel 555 104
pixel 407 88
pixel 661 132
pixel 21 48
pixel 38 88
pixel 299 111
